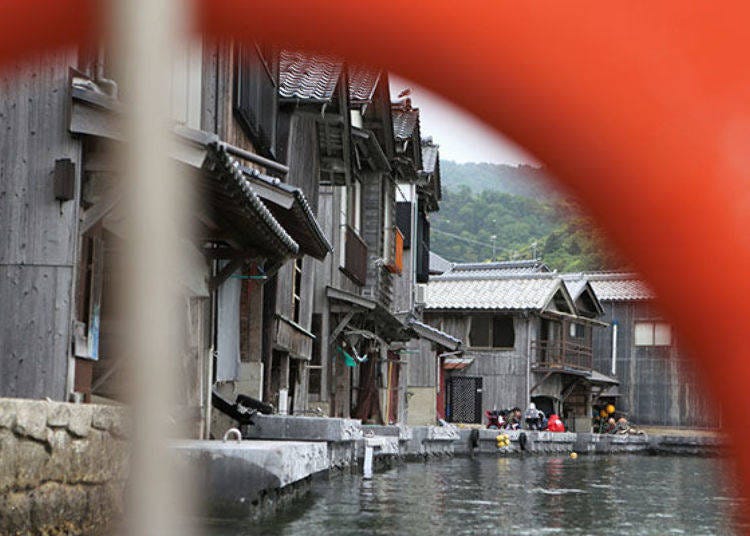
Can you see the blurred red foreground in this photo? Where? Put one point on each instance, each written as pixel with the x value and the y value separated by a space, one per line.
pixel 642 111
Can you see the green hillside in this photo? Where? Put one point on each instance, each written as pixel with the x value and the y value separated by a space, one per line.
pixel 523 180
pixel 524 215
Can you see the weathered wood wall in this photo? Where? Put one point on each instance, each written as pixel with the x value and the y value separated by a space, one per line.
pixel 37 232
pixel 379 280
pixel 658 384
pixel 504 371
pixel 422 369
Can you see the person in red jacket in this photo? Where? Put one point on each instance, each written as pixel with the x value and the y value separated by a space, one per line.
pixel 555 424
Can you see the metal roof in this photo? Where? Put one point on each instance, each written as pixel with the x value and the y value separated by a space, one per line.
pixel 472 270
pixel 619 286
pixel 362 83
pixel 308 76
pixel 519 292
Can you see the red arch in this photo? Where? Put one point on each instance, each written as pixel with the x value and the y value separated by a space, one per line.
pixel 642 111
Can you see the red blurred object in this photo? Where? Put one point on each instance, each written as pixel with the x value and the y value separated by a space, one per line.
pixel 641 109
pixel 554 424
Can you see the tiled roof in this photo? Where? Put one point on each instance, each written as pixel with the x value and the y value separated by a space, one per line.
pixel 435 335
pixel 472 270
pixel 405 119
pixel 430 152
pixel 532 291
pixel 362 83
pixel 238 188
pixel 307 76
pixel 300 221
pixel 575 283
pixel 439 265
pixel 619 286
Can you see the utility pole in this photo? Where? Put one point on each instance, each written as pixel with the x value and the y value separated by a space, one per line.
pixel 493 238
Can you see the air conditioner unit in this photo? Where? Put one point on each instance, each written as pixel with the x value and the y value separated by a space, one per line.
pixel 421 293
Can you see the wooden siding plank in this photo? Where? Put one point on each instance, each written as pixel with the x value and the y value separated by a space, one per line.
pixel 37 233
pixel 34 333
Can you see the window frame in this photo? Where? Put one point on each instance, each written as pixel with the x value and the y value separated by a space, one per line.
pixel 492 318
pixel 653 324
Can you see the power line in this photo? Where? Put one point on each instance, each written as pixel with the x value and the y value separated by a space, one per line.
pixel 514 252
pixel 459 237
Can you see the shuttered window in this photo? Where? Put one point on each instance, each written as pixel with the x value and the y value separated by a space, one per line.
pixel 256 96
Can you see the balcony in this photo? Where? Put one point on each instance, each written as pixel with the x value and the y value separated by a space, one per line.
pixel 561 355
pixel 355 261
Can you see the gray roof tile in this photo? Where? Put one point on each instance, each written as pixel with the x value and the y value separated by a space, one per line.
pixel 308 76
pixel 472 270
pixel 430 153
pixel 532 291
pixel 405 120
pixel 362 83
pixel 619 286
pixel 439 265
pixel 435 335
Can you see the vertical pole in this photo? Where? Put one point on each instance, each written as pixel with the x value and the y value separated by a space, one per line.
pixel 367 468
pixel 147 34
pixel 614 348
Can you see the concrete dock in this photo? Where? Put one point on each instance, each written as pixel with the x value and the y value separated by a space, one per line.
pixel 256 476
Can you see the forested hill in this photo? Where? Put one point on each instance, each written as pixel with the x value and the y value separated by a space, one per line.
pixel 519 207
pixel 524 180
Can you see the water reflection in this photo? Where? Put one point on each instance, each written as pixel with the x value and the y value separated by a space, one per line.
pixel 539 495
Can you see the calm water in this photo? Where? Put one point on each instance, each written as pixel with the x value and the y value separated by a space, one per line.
pixel 535 495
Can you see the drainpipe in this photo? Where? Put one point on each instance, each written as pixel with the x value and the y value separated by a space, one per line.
pixel 614 347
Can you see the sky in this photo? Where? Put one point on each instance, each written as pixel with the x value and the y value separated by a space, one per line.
pixel 461 136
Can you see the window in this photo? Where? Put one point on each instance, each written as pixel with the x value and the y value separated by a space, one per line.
pixel 503 332
pixel 296 289
pixel 492 332
pixel 479 333
pixel 653 334
pixel 577 331
pixel 255 95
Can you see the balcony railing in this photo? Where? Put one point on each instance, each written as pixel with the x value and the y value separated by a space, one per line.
pixel 355 263
pixel 559 354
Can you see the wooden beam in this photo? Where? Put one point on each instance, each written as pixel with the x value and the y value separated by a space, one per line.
pixel 540 382
pixel 225 272
pixel 341 325
pixel 97 213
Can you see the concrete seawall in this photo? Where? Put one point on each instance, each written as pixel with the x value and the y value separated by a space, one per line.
pixel 63 467
pixel 586 443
